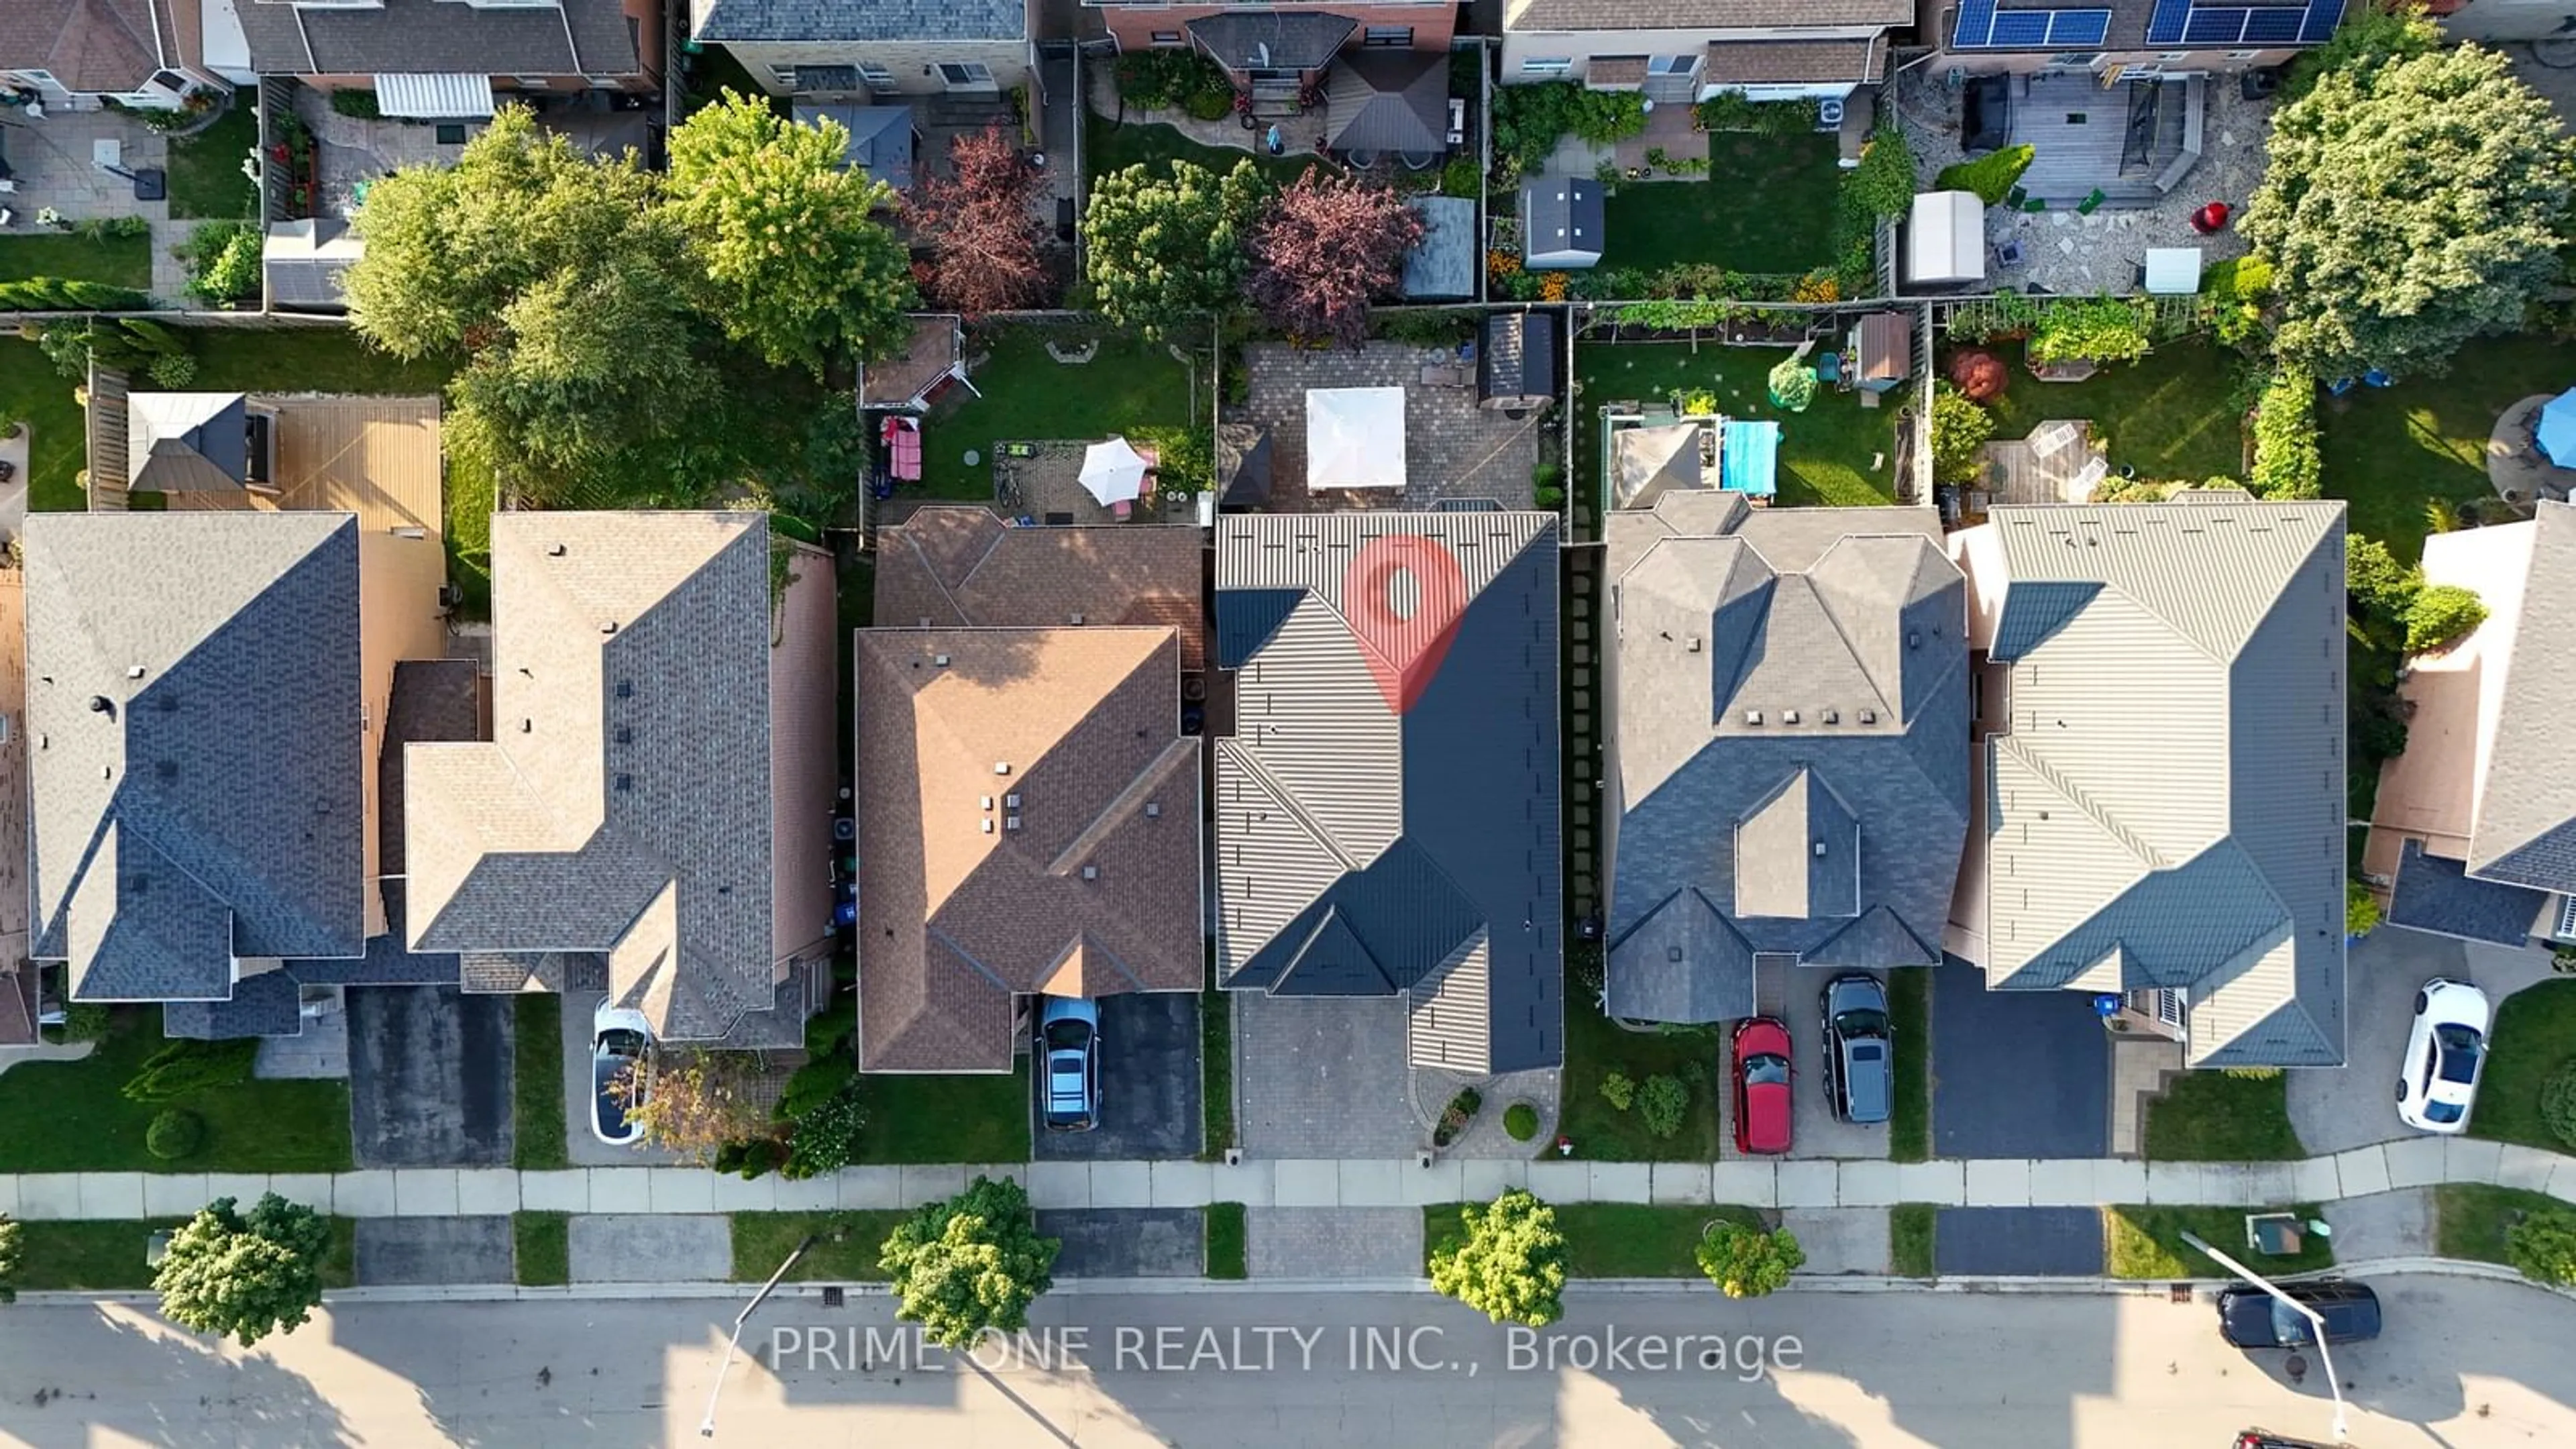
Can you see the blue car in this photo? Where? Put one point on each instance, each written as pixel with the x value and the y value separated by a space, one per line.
pixel 1069 1058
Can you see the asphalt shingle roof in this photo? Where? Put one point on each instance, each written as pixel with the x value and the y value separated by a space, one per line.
pixel 2433 893
pixel 436 37
pixel 2526 819
pixel 958 566
pixel 830 20
pixel 88 45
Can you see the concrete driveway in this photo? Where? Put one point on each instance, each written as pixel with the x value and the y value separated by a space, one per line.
pixel 2039 1242
pixel 1795 996
pixel 2337 1109
pixel 1149 1082
pixel 581 1144
pixel 2016 1073
pixel 429 1077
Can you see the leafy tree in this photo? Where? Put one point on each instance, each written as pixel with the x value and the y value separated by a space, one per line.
pixel 983 226
pixel 2543 1245
pixel 1324 247
pixel 2384 31
pixel 223 260
pixel 2383 590
pixel 2442 614
pixel 781 234
pixel 2360 909
pixel 1959 429
pixel 2558 1101
pixel 968 1264
pixel 695 1102
pixel 246 1276
pixel 1990 176
pixel 12 1248
pixel 2409 205
pixel 1510 1263
pixel 1746 1262
pixel 1160 251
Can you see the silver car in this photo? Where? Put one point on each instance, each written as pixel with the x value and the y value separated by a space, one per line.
pixel 1860 1049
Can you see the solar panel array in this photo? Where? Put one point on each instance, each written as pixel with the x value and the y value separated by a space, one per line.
pixel 1981 26
pixel 2175 23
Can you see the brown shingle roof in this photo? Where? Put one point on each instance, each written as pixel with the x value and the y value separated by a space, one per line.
pixel 953 567
pixel 88 45
pixel 895 382
pixel 1082 873
pixel 1571 15
pixel 1794 62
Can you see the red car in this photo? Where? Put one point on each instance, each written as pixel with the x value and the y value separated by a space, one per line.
pixel 1761 1078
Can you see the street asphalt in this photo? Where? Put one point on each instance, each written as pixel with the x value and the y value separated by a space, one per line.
pixel 2019 1242
pixel 2463 1365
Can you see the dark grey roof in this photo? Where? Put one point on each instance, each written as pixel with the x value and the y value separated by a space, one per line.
pixel 1788 761
pixel 1445 262
pixel 1387 807
pixel 433 37
pixel 2435 893
pixel 2526 812
pixel 268 1004
pixel 214 808
pixel 880 138
pixel 1519 355
pixel 1561 218
pixel 1243 459
pixel 1272 39
pixel 300 278
pixel 1389 101
pixel 828 20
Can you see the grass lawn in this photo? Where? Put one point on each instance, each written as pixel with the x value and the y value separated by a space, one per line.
pixel 206 179
pixel 1909 1016
pixel 2146 1242
pixel 945 1117
pixel 58 432
pixel 1028 395
pixel 469 499
pixel 75 1116
pixel 1767 206
pixel 1225 1251
pixel 845 1248
pixel 1108 146
pixel 2165 415
pixel 2210 1116
pixel 1595 1047
pixel 307 359
pixel 1216 1074
pixel 2470 1218
pixel 544 1245
pixel 1909 1239
pixel 537 1108
pixel 2535 1031
pixel 1836 452
pixel 1611 1239
pixel 120 261
pixel 106 1255
pixel 2389 450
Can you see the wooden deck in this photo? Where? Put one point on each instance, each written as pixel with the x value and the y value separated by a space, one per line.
pixel 2083 132
pixel 377 457
pixel 2028 470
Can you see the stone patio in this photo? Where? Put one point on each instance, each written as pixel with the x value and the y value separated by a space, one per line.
pixel 1300 136
pixel 1041 482
pixel 53 163
pixel 1452 448
pixel 1485 1137
pixel 2520 472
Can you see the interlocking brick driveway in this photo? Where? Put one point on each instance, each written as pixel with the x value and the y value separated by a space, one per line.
pixel 1322 1076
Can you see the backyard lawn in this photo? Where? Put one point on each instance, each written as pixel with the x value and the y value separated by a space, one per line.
pixel 1612 1239
pixel 75 1116
pixel 119 261
pixel 307 359
pixel 1836 452
pixel 2146 1242
pixel 1767 206
pixel 2166 415
pixel 1028 395
pixel 2535 1034
pixel 206 179
pixel 2208 1116
pixel 57 431
pixel 1108 146
pixel 2389 450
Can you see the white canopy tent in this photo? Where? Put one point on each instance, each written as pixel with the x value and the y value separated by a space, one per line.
pixel 1354 437
pixel 1113 472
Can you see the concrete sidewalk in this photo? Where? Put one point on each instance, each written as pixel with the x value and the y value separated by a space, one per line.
pixel 1361 1183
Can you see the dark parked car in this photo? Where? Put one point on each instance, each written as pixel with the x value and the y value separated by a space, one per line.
pixel 1761 1077
pixel 1860 1047
pixel 1069 1045
pixel 2248 1317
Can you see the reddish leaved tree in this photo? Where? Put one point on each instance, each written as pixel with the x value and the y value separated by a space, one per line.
pixel 1981 375
pixel 983 226
pixel 1324 247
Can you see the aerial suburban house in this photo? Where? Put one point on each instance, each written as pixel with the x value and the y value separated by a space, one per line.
pixel 81 54
pixel 1681 51
pixel 1387 773
pixel 1267 48
pixel 444 60
pixel 885 47
pixel 2157 800
pixel 651 811
pixel 2474 828
pixel 1789 766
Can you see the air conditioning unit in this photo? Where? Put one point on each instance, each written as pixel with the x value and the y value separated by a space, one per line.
pixel 1829 114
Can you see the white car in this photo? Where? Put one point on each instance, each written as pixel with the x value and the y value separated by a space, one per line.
pixel 2445 1054
pixel 618 1039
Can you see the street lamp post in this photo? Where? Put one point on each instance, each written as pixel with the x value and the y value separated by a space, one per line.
pixel 707 1425
pixel 2316 1322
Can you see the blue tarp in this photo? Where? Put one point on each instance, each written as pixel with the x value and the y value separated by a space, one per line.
pixel 2558 429
pixel 1747 453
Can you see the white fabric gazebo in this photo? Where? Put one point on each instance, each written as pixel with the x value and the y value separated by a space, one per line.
pixel 1355 437
pixel 1113 472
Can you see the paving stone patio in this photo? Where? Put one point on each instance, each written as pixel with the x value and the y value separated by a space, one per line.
pixel 1452 448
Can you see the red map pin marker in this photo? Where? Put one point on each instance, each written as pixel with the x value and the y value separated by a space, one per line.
pixel 1403 596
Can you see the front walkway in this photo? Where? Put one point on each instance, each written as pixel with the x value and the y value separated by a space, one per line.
pixel 1319 1183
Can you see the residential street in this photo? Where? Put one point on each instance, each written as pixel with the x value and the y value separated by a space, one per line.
pixel 2465 1365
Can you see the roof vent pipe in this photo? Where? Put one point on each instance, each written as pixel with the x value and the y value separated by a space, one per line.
pixel 98 704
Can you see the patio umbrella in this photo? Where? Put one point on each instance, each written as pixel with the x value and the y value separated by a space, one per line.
pixel 2557 431
pixel 1113 472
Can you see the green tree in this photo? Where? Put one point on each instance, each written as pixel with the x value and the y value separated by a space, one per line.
pixel 1509 1264
pixel 2442 614
pixel 2543 1245
pixel 968 1264
pixel 781 232
pixel 245 1276
pixel 1959 429
pixel 2384 31
pixel 1160 252
pixel 12 1247
pixel 2286 462
pixel 1746 1262
pixel 2410 204
pixel 2360 909
pixel 2383 592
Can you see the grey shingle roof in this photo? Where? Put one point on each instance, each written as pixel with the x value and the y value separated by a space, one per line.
pixel 214 806
pixel 623 806
pixel 1829 829
pixel 1445 262
pixel 2526 818
pixel 1273 39
pixel 2166 808
pixel 2433 893
pixel 824 20
pixel 1520 356
pixel 1389 100
pixel 433 37
pixel 268 1004
pixel 1387 807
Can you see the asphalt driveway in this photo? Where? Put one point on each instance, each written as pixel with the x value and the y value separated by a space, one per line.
pixel 2037 1242
pixel 404 1251
pixel 1149 1082
pixel 429 1077
pixel 1128 1242
pixel 2016 1073
pixel 2336 1110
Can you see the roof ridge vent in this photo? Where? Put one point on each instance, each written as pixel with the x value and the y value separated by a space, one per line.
pixel 1753 716
pixel 554 550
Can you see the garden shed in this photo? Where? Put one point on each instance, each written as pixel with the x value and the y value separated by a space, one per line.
pixel 1519 370
pixel 1389 103
pixel 1882 351
pixel 880 141
pixel 1561 222
pixel 1442 266
pixel 1354 437
pixel 1945 242
pixel 1651 460
pixel 302 262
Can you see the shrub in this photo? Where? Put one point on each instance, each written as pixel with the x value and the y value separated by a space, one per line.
pixel 2543 1245
pixel 2286 462
pixel 2237 290
pixel 1980 376
pixel 223 261
pixel 84 1021
pixel 1521 1120
pixel 2442 614
pixel 1618 1091
pixel 1210 103
pixel 1793 385
pixel 2360 909
pixel 2099 329
pixel 1726 111
pixel 183 1067
pixel 357 103
pixel 1455 1117
pixel 57 294
pixel 1746 1262
pixel 1786 118
pixel 1990 176
pixel 104 228
pixel 1602 117
pixel 1462 178
pixel 2558 1102
pixel 1959 429
pixel 174 1134
pixel 826 1138
pixel 1509 1264
pixel 1882 185
pixel 174 371
pixel 1662 1102
pixel 1158 80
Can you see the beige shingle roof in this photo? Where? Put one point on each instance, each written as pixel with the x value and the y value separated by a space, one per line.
pixel 1573 15
pixel 958 565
